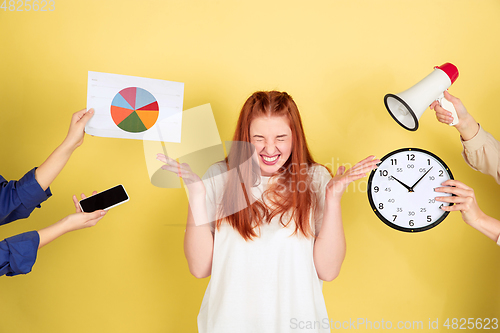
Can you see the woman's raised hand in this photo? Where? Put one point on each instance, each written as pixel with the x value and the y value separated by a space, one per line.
pixel 192 180
pixel 338 184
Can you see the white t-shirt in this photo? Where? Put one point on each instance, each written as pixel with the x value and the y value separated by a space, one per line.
pixel 268 284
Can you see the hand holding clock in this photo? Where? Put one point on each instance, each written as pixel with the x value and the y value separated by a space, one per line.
pixel 465 202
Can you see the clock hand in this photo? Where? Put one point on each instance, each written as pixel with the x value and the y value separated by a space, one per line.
pixel 406 186
pixel 418 181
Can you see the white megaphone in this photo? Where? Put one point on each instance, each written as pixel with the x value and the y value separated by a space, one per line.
pixel 408 106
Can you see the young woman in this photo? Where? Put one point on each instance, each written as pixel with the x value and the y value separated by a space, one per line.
pixel 267 235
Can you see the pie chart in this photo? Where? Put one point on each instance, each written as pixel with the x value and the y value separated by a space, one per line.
pixel 134 110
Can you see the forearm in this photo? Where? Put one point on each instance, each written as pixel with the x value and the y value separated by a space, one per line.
pixel 482 153
pixel 198 241
pixel 487 225
pixel 52 166
pixel 467 128
pixel 330 245
pixel 51 232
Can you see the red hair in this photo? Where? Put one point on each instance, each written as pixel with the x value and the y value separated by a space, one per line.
pixel 283 196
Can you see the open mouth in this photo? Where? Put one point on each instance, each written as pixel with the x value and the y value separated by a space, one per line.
pixel 270 160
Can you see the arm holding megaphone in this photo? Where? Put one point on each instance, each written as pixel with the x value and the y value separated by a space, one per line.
pixel 463 121
pixel 481 149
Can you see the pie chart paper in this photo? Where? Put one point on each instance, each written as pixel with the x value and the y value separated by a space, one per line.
pixel 129 107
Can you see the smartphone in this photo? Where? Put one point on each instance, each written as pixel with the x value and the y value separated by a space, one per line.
pixel 104 200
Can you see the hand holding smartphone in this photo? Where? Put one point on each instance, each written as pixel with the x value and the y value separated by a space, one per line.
pixel 107 199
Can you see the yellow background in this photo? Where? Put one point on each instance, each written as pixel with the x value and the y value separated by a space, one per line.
pixel 336 58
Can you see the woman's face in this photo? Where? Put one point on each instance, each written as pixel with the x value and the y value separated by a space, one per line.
pixel 272 138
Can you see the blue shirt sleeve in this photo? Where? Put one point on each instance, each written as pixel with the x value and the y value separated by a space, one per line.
pixel 19 198
pixel 18 253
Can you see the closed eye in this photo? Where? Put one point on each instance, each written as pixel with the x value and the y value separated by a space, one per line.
pixel 258 138
pixel 281 137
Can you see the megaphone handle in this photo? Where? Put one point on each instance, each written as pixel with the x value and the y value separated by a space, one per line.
pixel 448 106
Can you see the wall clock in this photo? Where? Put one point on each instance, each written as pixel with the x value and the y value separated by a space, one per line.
pixel 401 190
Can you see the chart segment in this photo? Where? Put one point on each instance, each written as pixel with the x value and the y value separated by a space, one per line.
pixel 134 110
pixel 150 107
pixel 129 94
pixel 119 114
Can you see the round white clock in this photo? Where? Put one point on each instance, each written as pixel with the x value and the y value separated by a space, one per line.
pixel 401 190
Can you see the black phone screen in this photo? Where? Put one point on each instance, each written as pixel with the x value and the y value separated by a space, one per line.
pixel 105 199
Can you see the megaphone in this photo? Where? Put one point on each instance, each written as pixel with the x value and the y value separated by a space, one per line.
pixel 407 107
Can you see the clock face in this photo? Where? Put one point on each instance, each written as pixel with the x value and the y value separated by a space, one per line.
pixel 401 190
